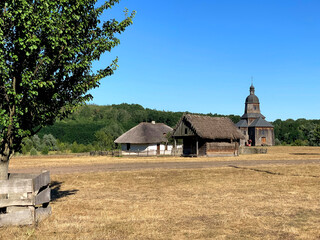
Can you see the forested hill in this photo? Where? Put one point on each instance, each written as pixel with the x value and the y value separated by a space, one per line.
pixel 89 122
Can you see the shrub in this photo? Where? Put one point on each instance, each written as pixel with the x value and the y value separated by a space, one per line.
pixel 33 152
pixel 277 142
pixel 45 150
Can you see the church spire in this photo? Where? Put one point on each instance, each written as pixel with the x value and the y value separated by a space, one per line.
pixel 251 89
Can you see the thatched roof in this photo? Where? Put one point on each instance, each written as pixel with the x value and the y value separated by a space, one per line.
pixel 145 133
pixel 212 127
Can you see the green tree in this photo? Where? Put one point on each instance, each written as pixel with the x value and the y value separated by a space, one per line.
pixel 46 53
pixel 50 142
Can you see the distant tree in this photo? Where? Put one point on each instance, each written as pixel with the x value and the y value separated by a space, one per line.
pixel 36 142
pixel 316 135
pixel 105 137
pixel 46 53
pixel 33 152
pixel 50 142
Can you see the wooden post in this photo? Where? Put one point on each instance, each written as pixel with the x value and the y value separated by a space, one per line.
pixel 197 147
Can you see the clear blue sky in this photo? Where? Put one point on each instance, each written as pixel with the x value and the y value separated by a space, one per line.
pixel 199 56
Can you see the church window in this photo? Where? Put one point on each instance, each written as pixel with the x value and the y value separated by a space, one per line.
pixel 186 131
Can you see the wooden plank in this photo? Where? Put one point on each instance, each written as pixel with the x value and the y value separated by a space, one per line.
pixel 42 213
pixel 16 202
pixel 16 186
pixel 43 196
pixel 22 175
pixel 41 180
pixel 24 217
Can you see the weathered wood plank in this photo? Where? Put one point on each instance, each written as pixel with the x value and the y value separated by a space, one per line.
pixel 43 196
pixel 41 180
pixel 16 186
pixel 42 213
pixel 16 202
pixel 22 175
pixel 24 217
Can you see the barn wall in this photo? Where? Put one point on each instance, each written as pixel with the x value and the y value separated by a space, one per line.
pixel 150 149
pixel 221 148
pixel 202 147
pixel 189 146
pixel 183 130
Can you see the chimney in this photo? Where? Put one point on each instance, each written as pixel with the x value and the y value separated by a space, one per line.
pixel 153 122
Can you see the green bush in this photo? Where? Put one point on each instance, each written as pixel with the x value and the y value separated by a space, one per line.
pixel 277 142
pixel 45 150
pixel 33 152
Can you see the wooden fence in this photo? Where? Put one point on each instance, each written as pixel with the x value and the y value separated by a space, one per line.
pixel 145 153
pixel 24 198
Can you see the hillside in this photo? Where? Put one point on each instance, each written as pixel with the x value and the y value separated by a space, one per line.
pixel 85 124
pixel 93 123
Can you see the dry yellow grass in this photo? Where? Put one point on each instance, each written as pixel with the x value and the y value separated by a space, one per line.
pixel 264 202
pixel 274 153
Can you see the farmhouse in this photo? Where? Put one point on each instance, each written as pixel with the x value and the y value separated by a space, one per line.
pixel 146 139
pixel 257 131
pixel 207 136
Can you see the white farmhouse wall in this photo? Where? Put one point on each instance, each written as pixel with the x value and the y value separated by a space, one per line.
pixel 145 149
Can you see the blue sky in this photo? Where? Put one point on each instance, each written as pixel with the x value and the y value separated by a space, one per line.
pixel 199 56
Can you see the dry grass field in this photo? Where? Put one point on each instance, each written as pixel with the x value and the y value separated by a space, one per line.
pixel 256 202
pixel 274 153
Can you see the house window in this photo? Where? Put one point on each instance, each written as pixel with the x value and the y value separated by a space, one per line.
pixel 245 132
pixel 262 132
pixel 128 146
pixel 186 131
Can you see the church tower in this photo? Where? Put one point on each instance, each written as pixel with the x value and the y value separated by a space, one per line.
pixel 257 130
pixel 252 107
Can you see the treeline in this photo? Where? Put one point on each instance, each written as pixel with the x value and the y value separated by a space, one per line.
pixel 299 132
pixel 93 127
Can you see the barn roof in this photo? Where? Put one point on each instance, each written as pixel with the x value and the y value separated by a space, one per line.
pixel 145 133
pixel 212 127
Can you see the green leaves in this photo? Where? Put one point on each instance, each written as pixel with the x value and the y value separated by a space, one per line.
pixel 46 54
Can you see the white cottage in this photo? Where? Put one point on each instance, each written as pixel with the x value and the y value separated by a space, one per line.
pixel 146 139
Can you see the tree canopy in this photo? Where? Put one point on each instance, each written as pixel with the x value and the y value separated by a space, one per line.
pixel 46 54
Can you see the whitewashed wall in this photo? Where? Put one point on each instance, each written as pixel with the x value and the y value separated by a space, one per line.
pixel 145 149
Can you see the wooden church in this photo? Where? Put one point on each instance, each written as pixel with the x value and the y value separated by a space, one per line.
pixel 257 131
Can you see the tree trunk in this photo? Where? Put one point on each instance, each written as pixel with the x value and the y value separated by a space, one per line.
pixel 4 170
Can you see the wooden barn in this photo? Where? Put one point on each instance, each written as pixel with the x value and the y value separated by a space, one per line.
pixel 146 139
pixel 207 136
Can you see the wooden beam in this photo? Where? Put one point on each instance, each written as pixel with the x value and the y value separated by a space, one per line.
pixel 43 196
pixel 197 146
pixel 24 217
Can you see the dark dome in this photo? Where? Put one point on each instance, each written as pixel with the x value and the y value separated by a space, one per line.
pixel 252 99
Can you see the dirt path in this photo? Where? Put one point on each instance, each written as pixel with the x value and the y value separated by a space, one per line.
pixel 112 167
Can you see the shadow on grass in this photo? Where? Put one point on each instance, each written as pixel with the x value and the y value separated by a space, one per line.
pixel 304 153
pixel 56 192
pixel 273 173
